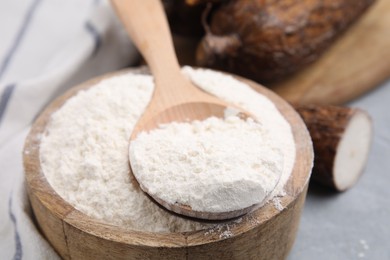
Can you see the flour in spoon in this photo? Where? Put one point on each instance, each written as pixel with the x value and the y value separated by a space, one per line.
pixel 84 150
pixel 213 165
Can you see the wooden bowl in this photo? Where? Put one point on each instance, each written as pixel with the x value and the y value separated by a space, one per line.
pixel 265 233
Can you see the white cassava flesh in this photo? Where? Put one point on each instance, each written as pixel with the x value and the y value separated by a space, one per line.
pixel 352 151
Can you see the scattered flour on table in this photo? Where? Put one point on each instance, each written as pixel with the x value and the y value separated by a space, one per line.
pixel 84 150
pixel 364 247
pixel 212 165
pixel 277 203
pixel 364 244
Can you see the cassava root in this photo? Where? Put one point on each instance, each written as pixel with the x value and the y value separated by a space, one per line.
pixel 269 40
pixel 341 139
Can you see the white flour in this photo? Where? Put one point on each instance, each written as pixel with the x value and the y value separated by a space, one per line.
pixel 214 165
pixel 84 151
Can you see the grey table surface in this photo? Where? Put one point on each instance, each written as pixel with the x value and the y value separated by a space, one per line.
pixel 354 224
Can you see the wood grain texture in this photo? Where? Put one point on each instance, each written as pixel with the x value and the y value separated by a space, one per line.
pixel 356 63
pixel 264 233
pixel 271 240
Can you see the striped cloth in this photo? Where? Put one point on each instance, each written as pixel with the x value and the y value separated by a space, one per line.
pixel 46 46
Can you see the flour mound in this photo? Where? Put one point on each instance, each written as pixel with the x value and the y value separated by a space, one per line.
pixel 84 150
pixel 214 165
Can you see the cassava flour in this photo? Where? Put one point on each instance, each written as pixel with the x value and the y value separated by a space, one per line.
pixel 214 165
pixel 84 151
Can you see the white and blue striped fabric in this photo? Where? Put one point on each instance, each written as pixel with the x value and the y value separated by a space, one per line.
pixel 46 46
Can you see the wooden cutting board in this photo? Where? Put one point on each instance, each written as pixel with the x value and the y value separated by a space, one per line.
pixel 355 64
pixel 358 62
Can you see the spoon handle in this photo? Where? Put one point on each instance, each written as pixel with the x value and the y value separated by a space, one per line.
pixel 148 27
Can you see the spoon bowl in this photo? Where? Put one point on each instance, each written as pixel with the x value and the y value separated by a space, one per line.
pixel 185 112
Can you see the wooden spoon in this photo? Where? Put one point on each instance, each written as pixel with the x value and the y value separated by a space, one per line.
pixel 175 98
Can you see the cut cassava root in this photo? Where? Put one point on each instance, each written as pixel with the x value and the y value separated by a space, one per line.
pixel 275 38
pixel 341 139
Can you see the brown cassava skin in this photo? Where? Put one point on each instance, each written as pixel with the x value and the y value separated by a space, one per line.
pixel 326 125
pixel 276 37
